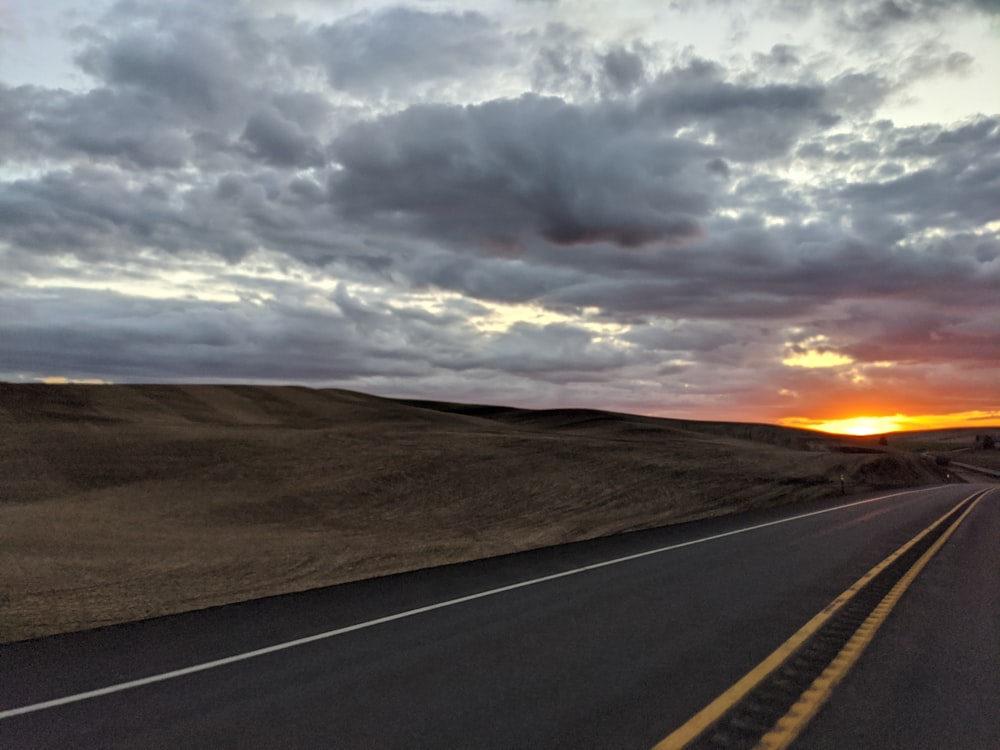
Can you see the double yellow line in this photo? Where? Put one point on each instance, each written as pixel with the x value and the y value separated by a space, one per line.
pixel 788 727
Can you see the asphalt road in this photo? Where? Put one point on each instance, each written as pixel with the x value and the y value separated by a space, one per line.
pixel 611 657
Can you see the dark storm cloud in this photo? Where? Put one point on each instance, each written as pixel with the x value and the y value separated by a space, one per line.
pixel 511 168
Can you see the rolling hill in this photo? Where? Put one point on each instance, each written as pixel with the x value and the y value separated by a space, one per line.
pixel 130 501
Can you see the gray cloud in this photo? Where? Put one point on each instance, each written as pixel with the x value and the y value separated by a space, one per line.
pixel 211 62
pixel 959 190
pixel 280 141
pixel 623 69
pixel 496 279
pixel 508 169
pixel 881 16
pixel 387 51
pixel 651 212
pixel 749 121
pixel 779 58
pixel 910 332
pixel 561 61
pixel 101 334
pixel 19 138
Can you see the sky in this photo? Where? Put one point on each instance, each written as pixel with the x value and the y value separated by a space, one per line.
pixel 755 210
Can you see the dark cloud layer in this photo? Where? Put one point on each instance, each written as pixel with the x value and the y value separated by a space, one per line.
pixel 434 202
pixel 511 169
pixel 749 121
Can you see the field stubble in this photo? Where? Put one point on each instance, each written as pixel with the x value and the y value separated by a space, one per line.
pixel 124 502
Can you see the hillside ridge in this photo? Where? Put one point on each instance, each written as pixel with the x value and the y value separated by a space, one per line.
pixel 128 501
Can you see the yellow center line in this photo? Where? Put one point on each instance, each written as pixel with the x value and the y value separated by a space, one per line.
pixel 788 727
pixel 698 723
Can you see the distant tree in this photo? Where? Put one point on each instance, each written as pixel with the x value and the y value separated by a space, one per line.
pixel 883 440
pixel 989 443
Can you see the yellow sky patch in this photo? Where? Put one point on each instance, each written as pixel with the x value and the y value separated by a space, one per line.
pixel 814 358
pixel 501 317
pixel 168 285
pixel 813 352
pixel 860 425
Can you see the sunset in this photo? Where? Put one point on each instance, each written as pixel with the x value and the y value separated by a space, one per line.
pixel 759 211
pixel 550 374
pixel 854 425
pixel 884 425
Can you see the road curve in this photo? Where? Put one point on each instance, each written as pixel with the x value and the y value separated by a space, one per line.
pixel 613 643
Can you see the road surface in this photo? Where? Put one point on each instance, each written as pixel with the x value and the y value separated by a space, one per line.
pixel 568 647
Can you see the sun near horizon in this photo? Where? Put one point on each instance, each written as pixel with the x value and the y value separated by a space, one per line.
pixel 860 426
pixel 864 425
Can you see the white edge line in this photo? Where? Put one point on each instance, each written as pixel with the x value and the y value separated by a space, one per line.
pixel 11 712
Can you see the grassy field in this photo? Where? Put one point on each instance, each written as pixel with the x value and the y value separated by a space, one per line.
pixel 959 444
pixel 125 502
pixel 943 441
pixel 985 459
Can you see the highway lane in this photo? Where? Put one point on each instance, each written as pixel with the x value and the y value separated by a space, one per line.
pixel 933 677
pixel 613 657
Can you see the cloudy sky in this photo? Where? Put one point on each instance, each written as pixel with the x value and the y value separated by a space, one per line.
pixel 768 210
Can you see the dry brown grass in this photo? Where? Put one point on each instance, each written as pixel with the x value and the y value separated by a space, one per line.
pixel 124 502
pixel 985 459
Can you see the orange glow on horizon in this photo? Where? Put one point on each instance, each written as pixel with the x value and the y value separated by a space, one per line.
pixel 859 426
pixel 880 425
